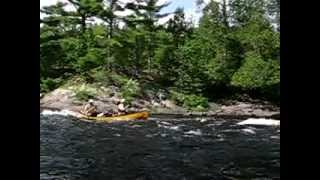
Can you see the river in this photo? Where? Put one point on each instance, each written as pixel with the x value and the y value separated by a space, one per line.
pixel 158 149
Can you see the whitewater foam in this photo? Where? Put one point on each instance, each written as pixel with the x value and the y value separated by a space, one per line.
pixel 260 121
pixel 63 112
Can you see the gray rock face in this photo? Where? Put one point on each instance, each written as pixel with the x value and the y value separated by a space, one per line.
pixel 107 101
pixel 169 104
pixel 105 106
pixel 247 109
pixel 59 98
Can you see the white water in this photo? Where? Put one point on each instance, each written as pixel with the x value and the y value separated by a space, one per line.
pixel 249 131
pixel 63 112
pixel 260 121
pixel 191 132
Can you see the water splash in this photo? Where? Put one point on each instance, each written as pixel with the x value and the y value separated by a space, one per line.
pixel 191 132
pixel 63 112
pixel 260 121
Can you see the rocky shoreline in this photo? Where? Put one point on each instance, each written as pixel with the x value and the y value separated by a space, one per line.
pixel 64 99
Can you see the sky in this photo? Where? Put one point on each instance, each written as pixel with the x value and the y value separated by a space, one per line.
pixel 189 6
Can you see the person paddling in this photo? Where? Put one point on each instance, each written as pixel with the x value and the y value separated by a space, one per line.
pixel 89 109
pixel 121 107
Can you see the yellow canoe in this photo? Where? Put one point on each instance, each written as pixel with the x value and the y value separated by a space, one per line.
pixel 127 117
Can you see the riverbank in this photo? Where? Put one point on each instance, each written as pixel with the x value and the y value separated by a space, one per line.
pixel 105 98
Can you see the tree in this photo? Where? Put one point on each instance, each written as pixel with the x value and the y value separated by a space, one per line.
pixel 57 16
pixel 176 33
pixel 147 13
pixel 235 46
pixel 108 15
pixel 258 75
pixel 85 9
pixel 179 27
pixel 258 35
pixel 54 27
pixel 243 10
pixel 273 9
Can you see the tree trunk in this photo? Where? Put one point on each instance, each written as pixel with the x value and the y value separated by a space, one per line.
pixel 83 23
pixel 225 13
pixel 111 28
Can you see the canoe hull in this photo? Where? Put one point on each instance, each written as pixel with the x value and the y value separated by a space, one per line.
pixel 127 117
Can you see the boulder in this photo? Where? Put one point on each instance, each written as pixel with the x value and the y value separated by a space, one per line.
pixel 169 104
pixel 105 107
pixel 59 98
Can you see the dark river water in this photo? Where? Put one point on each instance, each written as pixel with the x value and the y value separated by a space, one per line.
pixel 158 149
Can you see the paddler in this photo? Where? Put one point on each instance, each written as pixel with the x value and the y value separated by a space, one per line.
pixel 89 109
pixel 121 107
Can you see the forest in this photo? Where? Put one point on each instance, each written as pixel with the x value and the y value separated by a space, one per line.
pixel 233 50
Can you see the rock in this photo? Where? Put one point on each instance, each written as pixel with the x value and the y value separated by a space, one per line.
pixel 243 105
pixel 213 107
pixel 138 103
pixel 155 104
pixel 168 104
pixel 105 107
pixel 131 109
pixel 59 98
pixel 259 112
pixel 115 99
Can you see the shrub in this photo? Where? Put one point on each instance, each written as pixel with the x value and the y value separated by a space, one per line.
pixel 257 73
pixel 101 76
pixel 190 101
pixel 196 102
pixel 130 90
pixel 84 95
pixel 118 80
pixel 93 59
pixel 84 92
pixel 50 84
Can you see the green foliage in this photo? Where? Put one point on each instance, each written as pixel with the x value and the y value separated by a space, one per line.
pixel 118 80
pixel 101 76
pixel 49 84
pixel 130 90
pixel 93 59
pixel 258 35
pixel 84 92
pixel 257 73
pixel 235 46
pixel 84 95
pixel 190 101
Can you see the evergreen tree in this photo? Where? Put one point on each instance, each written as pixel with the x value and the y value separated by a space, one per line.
pixel 85 9
pixel 147 13
pixel 234 48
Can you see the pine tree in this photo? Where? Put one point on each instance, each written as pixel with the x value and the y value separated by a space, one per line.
pixel 147 14
pixel 85 9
